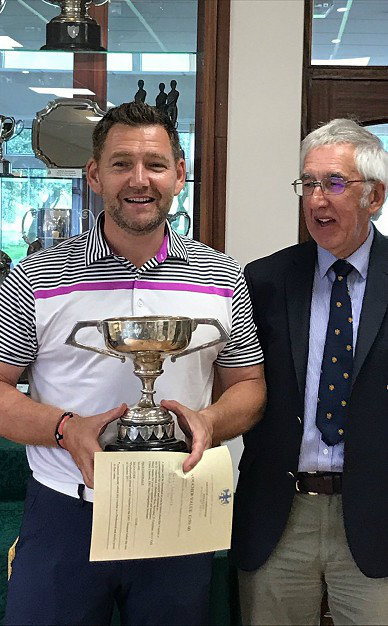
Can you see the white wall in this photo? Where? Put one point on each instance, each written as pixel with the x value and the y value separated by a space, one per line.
pixel 265 87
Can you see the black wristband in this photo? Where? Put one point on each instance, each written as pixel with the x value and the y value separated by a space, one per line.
pixel 59 428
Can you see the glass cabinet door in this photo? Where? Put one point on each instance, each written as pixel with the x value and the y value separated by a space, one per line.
pixel 151 55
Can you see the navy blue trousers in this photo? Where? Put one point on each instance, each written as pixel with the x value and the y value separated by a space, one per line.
pixel 53 582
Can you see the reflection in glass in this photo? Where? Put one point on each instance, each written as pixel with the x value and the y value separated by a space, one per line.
pixel 350 32
pixel 43 209
pixel 50 226
pixel 62 132
pixel 181 212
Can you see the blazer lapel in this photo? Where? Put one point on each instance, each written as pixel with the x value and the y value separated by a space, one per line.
pixel 299 285
pixel 375 301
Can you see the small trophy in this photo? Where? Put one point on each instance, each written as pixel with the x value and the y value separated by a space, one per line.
pixel 147 341
pixel 5 265
pixel 73 29
pixel 46 227
pixel 7 129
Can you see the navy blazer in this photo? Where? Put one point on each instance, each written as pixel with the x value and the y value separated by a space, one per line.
pixel 280 286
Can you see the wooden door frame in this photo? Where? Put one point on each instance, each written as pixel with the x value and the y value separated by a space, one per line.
pixel 211 122
pixel 304 235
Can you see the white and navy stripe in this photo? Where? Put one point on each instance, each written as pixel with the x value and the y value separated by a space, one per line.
pixel 81 279
pixel 86 264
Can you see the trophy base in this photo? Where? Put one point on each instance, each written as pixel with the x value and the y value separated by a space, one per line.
pixel 151 446
pixel 73 36
pixel 6 168
pixel 152 437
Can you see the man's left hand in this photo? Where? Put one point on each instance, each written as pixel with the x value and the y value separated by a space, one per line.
pixel 197 427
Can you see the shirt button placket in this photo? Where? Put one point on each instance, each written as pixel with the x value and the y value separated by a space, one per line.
pixel 137 300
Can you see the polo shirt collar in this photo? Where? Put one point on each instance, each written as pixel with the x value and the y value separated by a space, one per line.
pixel 97 247
pixel 175 244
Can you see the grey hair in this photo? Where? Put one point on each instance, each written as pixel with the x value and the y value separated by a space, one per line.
pixel 370 158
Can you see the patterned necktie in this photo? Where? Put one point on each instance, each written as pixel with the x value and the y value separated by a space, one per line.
pixel 337 363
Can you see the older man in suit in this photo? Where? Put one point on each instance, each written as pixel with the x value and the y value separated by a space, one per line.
pixel 312 498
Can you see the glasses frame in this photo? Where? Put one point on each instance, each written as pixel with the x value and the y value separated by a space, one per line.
pixel 321 184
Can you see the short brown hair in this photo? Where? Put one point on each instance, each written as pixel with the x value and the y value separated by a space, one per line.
pixel 134 114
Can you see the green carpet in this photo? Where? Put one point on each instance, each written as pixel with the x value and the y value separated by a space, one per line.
pixel 14 472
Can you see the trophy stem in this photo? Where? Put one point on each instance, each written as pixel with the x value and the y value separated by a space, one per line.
pixel 148 366
pixel 5 166
pixel 73 11
pixel 146 425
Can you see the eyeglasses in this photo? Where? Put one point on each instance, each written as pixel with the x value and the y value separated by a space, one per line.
pixel 330 185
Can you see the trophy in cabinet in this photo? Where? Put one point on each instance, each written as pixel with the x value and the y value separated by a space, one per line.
pixel 147 341
pixel 5 265
pixel 7 130
pixel 73 28
pixel 45 227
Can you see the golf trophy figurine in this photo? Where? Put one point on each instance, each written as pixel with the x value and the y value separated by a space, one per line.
pixel 73 29
pixel 147 341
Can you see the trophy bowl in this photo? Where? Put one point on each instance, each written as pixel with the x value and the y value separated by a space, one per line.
pixel 168 335
pixel 73 28
pixel 147 341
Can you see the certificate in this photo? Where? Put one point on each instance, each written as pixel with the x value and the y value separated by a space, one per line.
pixel 145 506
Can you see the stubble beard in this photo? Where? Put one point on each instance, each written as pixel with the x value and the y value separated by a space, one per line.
pixel 133 226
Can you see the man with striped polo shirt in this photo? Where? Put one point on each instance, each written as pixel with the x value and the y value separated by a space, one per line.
pixel 129 263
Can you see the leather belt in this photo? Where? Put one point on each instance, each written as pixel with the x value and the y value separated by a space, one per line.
pixel 314 483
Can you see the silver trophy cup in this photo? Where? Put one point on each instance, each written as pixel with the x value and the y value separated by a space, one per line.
pixel 147 341
pixel 73 29
pixel 7 129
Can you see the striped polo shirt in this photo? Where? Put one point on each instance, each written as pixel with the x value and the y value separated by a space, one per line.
pixel 82 279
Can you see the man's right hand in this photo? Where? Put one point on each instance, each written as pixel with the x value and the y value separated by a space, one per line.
pixel 80 438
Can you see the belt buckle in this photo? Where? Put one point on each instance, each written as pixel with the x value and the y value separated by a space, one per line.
pixel 309 493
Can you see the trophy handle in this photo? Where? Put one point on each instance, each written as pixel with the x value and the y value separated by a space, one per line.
pixel 70 341
pixel 210 322
pixel 24 235
pixel 10 122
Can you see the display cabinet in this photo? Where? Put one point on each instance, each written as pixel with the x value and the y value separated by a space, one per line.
pixel 44 196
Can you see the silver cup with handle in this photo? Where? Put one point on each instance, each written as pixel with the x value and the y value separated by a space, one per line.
pixel 147 341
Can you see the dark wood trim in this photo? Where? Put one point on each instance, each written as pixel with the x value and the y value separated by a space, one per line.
pixel 100 14
pixel 345 72
pixel 307 38
pixel 89 68
pixel 211 122
pixel 304 235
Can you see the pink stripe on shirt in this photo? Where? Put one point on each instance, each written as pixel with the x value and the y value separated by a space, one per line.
pixel 132 284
